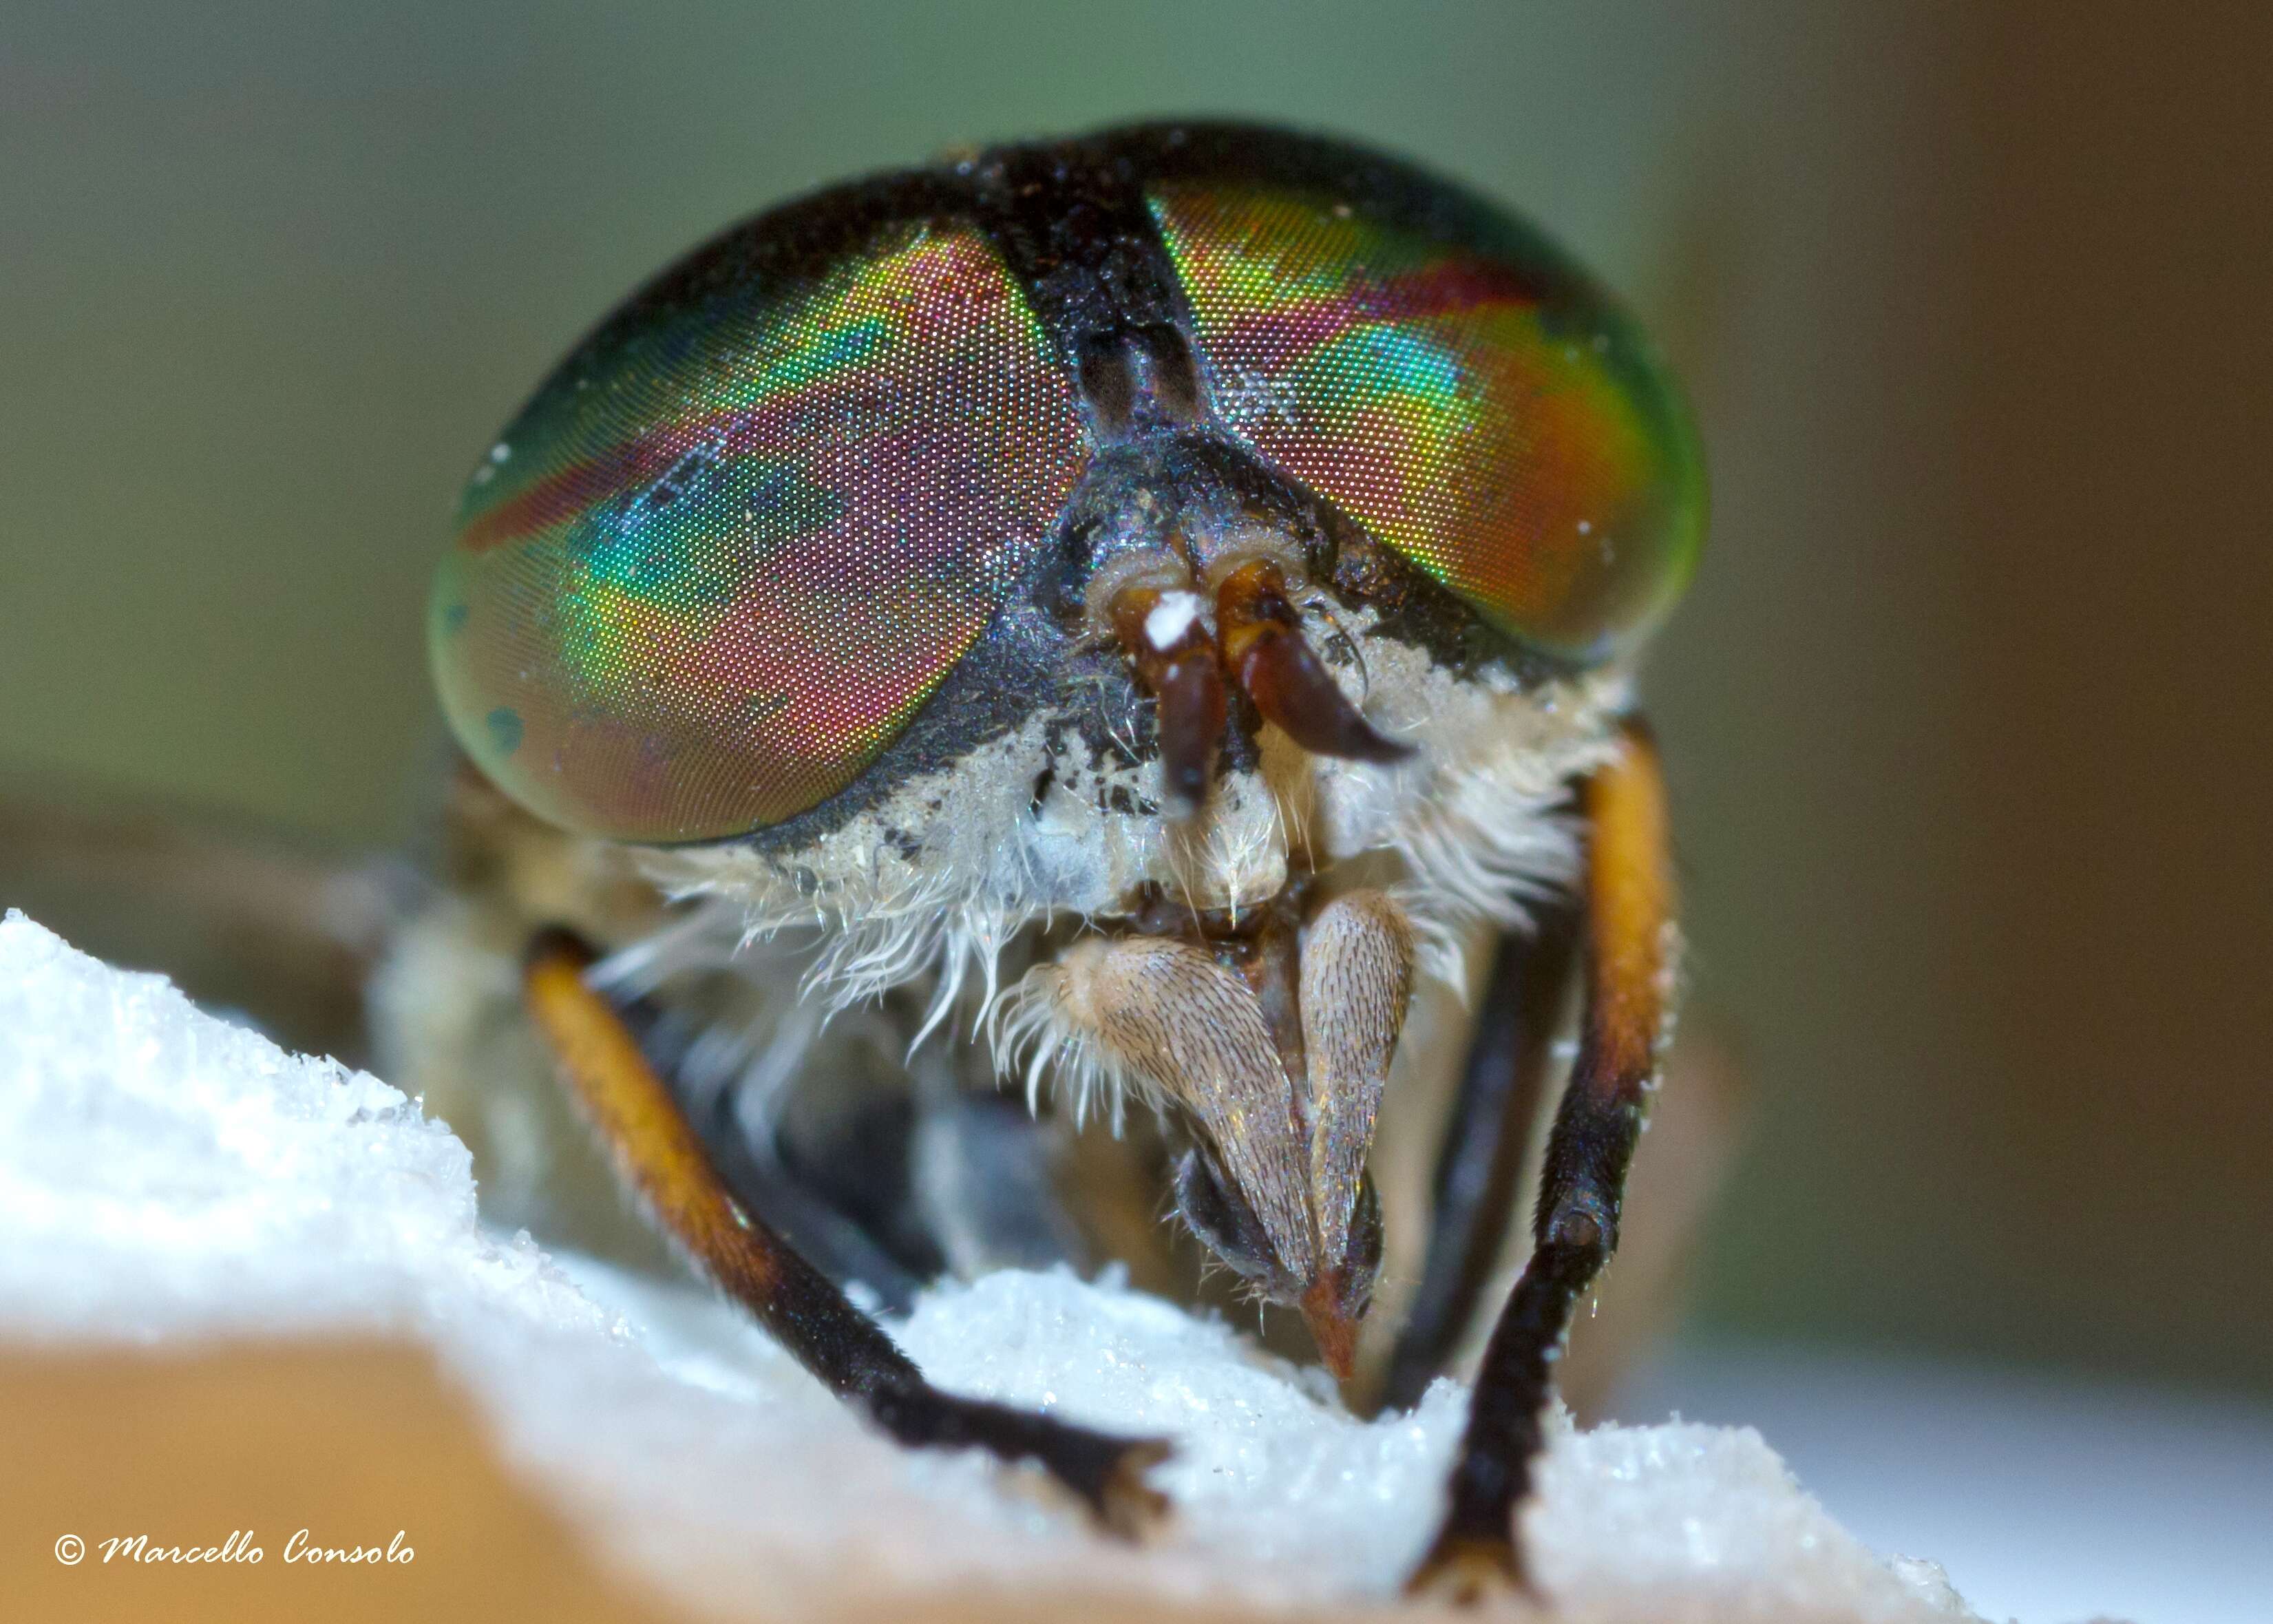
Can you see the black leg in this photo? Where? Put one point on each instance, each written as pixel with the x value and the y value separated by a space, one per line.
pixel 659 1156
pixel 1629 921
pixel 1486 1138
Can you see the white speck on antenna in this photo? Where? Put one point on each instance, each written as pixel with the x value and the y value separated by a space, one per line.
pixel 1171 618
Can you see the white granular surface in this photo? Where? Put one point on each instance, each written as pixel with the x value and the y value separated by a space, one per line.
pixel 166 1176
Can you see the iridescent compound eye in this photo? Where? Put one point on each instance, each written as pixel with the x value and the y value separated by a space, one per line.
pixel 734 543
pixel 747 531
pixel 1454 383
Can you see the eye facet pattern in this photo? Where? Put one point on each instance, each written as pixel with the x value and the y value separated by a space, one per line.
pixel 741 535
pixel 1473 400
pixel 716 567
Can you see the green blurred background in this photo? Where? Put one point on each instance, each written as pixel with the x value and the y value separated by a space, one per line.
pixel 1969 713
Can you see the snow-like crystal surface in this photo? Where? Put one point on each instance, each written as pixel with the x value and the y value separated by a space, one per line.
pixel 164 1174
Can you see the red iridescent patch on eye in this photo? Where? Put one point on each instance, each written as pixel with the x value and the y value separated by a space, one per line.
pixel 1480 407
pixel 732 546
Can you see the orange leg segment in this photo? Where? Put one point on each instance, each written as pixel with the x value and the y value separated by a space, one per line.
pixel 1628 968
pixel 657 1154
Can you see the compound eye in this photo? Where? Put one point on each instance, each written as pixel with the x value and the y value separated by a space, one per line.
pixel 737 539
pixel 1449 380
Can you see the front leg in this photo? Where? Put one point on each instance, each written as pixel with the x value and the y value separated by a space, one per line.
pixel 1487 1136
pixel 659 1155
pixel 1629 968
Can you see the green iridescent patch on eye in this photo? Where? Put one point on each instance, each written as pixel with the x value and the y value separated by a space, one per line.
pixel 1476 401
pixel 724 555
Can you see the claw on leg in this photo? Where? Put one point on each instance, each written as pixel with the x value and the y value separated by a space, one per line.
pixel 1105 1473
pixel 1467 1572
pixel 1124 1503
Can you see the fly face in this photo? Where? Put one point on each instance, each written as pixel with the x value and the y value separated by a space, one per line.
pixel 1190 565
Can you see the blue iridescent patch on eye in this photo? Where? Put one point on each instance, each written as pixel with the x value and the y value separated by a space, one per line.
pixel 1406 362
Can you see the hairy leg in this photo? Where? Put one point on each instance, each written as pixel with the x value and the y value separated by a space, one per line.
pixel 1628 966
pixel 659 1156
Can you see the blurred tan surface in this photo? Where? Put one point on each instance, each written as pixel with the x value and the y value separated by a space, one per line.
pixel 354 1441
